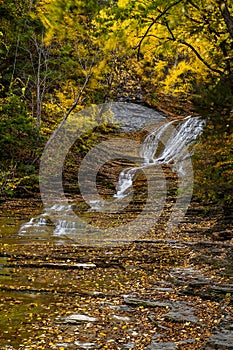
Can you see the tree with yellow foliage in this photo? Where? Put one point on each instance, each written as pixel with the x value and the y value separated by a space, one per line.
pixel 186 50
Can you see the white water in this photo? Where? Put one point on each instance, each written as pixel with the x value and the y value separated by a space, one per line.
pixel 175 141
pixel 41 223
pixel 167 144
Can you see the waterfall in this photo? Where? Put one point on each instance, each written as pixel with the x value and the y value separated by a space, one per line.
pixel 175 141
pixel 166 144
pixel 125 182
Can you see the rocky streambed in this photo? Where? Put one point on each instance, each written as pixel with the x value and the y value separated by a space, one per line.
pixel 163 291
pixel 159 289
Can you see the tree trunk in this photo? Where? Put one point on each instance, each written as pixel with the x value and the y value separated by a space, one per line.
pixel 228 19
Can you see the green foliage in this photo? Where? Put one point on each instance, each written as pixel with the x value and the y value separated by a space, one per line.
pixel 213 163
pixel 20 145
pixel 18 136
pixel 10 184
pixel 214 153
pixel 81 147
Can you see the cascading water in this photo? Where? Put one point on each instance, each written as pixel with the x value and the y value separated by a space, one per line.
pixel 42 222
pixel 167 144
pixel 176 146
pixel 175 140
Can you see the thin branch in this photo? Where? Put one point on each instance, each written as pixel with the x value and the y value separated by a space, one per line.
pixel 204 21
pixel 153 36
pixel 74 105
pixel 161 14
pixel 138 47
pixel 190 2
pixel 193 19
pixel 76 101
pixel 185 43
pixel 170 31
pixel 218 71
pixel 38 86
pixel 15 60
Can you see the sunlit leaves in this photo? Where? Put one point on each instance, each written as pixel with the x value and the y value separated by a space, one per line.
pixel 173 28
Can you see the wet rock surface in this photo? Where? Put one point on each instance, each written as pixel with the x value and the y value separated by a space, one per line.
pixel 162 346
pixel 130 118
pixel 221 340
pixel 181 312
pixel 159 292
pixel 222 337
pixel 78 318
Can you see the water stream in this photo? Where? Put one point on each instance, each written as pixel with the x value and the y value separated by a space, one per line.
pixel 168 143
pixel 175 142
pixel 69 297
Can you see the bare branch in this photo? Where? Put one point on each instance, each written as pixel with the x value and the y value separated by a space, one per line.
pixel 193 4
pixel 76 101
pixel 218 71
pixel 138 47
pixel 154 20
pixel 153 36
pixel 185 43
pixel 74 105
pixel 170 31
pixel 194 20
pixel 15 60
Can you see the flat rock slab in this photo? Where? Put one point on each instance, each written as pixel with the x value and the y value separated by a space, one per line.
pixel 128 346
pixel 86 345
pixel 78 345
pixel 133 117
pixel 162 346
pixel 181 312
pixel 222 288
pixel 133 301
pixel 79 318
pixel 187 275
pixel 222 340
pixel 164 289
pixel 120 318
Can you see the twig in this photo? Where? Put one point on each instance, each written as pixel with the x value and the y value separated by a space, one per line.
pixel 161 14
pixel 218 71
pixel 74 105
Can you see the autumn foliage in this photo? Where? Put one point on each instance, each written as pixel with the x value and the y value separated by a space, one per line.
pixel 55 52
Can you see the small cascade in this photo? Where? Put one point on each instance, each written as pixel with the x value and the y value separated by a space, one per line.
pixel 150 144
pixel 64 226
pixel 34 222
pixel 125 182
pixel 42 222
pixel 175 142
pixel 179 139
